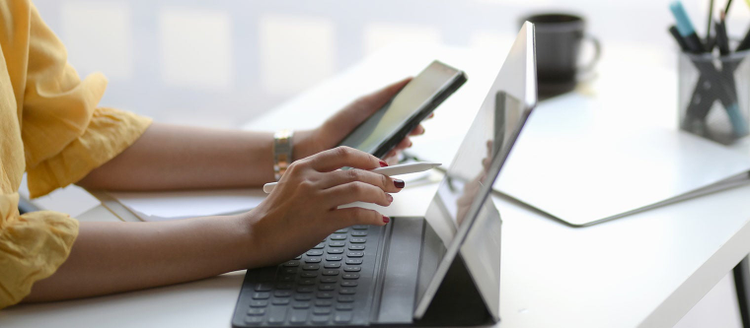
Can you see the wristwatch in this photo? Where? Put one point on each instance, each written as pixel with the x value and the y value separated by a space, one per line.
pixel 282 152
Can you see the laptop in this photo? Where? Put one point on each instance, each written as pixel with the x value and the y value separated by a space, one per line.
pixel 440 269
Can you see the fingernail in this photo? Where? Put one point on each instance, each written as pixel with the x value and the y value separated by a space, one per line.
pixel 386 219
pixel 383 163
pixel 410 143
pixel 399 183
pixel 389 197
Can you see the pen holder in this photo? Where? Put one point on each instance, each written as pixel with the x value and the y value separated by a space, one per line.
pixel 713 95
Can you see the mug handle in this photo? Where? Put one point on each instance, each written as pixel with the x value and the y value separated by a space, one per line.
pixel 597 53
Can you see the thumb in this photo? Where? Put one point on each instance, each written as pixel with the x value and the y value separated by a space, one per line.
pixel 377 99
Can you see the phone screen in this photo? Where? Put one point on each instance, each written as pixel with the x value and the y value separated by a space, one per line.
pixel 394 116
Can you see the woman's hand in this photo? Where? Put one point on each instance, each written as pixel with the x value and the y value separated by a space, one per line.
pixel 303 208
pixel 342 123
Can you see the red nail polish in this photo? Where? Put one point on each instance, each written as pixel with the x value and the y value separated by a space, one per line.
pixel 386 219
pixel 383 163
pixel 399 183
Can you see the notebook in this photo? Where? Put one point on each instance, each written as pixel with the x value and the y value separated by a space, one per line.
pixel 584 165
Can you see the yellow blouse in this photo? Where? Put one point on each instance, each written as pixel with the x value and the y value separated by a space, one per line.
pixel 51 127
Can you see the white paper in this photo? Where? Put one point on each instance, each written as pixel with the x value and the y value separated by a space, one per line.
pixel 161 205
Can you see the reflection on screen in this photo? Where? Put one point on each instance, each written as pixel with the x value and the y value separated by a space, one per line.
pixel 391 117
pixel 490 134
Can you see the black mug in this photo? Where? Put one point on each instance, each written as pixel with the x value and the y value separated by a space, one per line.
pixel 558 46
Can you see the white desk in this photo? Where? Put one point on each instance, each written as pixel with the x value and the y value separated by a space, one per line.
pixel 646 270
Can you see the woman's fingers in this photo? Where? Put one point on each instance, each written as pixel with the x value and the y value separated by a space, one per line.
pixel 406 143
pixel 346 217
pixel 340 177
pixel 418 131
pixel 339 157
pixel 356 191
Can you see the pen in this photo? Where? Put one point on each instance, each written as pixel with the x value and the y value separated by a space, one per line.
pixel 745 43
pixel 685 27
pixel 386 170
pixel 709 41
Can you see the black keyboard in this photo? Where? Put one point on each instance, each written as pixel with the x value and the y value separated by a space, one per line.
pixel 331 284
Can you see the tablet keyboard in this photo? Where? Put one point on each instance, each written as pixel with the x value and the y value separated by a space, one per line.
pixel 331 284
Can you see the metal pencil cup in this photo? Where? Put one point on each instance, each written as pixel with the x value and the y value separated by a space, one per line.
pixel 713 95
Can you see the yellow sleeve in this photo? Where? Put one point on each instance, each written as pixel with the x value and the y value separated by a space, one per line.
pixel 65 135
pixel 32 247
pixel 50 126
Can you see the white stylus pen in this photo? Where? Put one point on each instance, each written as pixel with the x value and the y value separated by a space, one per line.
pixel 386 170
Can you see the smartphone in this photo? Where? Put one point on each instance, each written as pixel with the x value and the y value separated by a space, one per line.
pixel 382 131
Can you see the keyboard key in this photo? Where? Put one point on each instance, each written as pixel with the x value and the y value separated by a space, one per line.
pixel 359 227
pixel 337 244
pixel 335 251
pixel 323 303
pixel 253 320
pixel 313 260
pixel 309 274
pixel 359 233
pixel 298 316
pixel 303 297
pixel 352 268
pixel 258 303
pixel 276 315
pixel 328 280
pixel 326 288
pixel 344 306
pixel 280 301
pixel 330 272
pixel 346 299
pixel 301 305
pixel 332 265
pixel 282 293
pixel 306 289
pixel 344 230
pixel 306 282
pixel 347 291
pixel 286 278
pixel 285 285
pixel 349 283
pixel 320 246
pixel 310 267
pixel 355 254
pixel 321 310
pixel 298 257
pixel 263 287
pixel 261 295
pixel 354 261
pixel 256 311
pixel 349 276
pixel 289 271
pixel 315 252
pixel 291 264
pixel 320 319
pixel 323 295
pixel 356 247
pixel 334 258
pixel 338 237
pixel 342 317
pixel 358 240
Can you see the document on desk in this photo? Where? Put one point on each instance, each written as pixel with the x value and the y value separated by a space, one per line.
pixel 172 205
pixel 584 165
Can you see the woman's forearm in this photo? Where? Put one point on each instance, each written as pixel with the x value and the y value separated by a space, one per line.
pixel 177 157
pixel 110 257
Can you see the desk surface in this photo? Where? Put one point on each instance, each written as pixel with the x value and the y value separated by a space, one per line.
pixel 645 270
